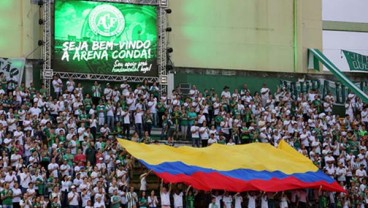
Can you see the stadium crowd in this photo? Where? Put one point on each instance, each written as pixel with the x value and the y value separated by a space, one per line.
pixel 61 150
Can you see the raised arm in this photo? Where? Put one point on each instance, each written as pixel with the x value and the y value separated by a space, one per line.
pixel 186 192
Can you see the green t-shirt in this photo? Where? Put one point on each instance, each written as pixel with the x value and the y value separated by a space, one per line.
pixel 115 199
pixel 318 105
pixel 119 130
pixel 362 133
pixel 43 92
pixel 46 159
pixel 142 202
pixel 3 83
pixel 323 201
pixel 213 205
pixel 191 117
pixel 52 139
pixel 222 141
pixel 247 117
pixel 161 107
pixel 41 186
pixel 47 133
pixel 32 91
pixel 37 205
pixel 8 194
pixel 16 116
pixel 245 136
pixel 87 103
pixel 69 158
pixel 62 138
pixel 55 205
pixel 101 109
pixel 83 116
pixel 176 116
pixel 184 120
pixel 353 147
pixel 103 145
pixel 218 120
pixel 28 104
pixel 190 201
pixel 297 144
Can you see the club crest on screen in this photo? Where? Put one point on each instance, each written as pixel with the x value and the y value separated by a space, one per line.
pixel 106 20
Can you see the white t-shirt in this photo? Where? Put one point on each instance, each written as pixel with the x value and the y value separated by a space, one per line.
pixel 152 201
pixel 143 184
pixel 195 131
pixel 212 140
pixel 74 198
pixel 24 180
pixel 364 115
pixel 16 192
pixel 227 201
pixel 138 117
pixel 25 204
pixel 70 85
pixel 252 201
pixel 57 84
pixel 85 198
pixel 53 166
pixel 165 199
pixel 178 200
pixel 99 204
pixel 361 173
pixel 65 185
pixel 203 132
pixel 19 136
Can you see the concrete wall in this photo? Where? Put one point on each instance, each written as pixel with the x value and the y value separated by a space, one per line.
pixel 309 27
pixel 19 28
pixel 245 35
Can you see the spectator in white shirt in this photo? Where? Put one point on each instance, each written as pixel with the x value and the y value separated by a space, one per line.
pixel 73 198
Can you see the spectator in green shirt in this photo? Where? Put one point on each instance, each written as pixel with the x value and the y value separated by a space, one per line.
pixel 143 202
pixel 190 197
pixel 7 196
pixel 115 199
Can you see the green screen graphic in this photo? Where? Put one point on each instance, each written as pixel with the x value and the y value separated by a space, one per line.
pixel 105 38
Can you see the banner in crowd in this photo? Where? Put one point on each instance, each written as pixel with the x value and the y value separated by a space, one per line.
pixel 356 61
pixel 257 166
pixel 12 68
pixel 105 38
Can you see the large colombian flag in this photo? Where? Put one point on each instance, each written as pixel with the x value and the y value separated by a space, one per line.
pixel 238 168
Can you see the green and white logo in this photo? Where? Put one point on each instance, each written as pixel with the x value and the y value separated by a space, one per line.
pixel 106 20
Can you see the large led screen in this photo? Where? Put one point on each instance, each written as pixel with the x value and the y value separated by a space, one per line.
pixel 105 38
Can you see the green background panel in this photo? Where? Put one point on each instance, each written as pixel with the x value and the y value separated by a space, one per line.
pixel 72 24
pixel 218 82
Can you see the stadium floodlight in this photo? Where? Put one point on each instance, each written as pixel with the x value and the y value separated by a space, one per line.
pixel 41 22
pixel 40 43
pixel 169 50
pixel 168 11
pixel 169 29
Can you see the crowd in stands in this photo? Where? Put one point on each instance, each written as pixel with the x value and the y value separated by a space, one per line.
pixel 61 150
